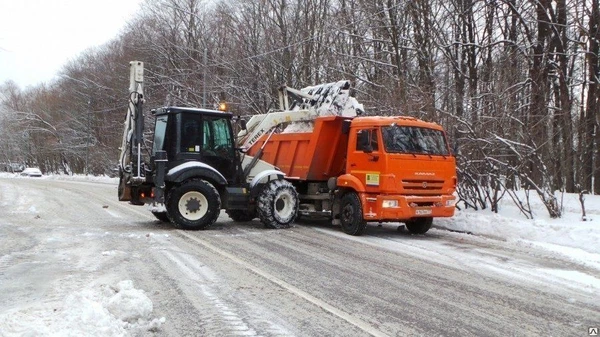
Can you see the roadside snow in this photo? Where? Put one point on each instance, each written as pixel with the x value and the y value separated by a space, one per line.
pixel 75 177
pixel 569 236
pixel 104 310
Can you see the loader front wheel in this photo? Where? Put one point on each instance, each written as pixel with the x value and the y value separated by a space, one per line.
pixel 195 204
pixel 419 225
pixel 277 204
pixel 351 215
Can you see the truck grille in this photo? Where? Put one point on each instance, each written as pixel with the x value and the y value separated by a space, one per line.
pixel 422 187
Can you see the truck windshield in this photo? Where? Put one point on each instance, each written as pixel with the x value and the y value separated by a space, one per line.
pixel 159 133
pixel 415 140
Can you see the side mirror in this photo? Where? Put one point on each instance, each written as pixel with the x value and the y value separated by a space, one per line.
pixel 243 124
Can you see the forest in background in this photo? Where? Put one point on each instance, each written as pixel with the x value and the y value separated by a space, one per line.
pixel 515 83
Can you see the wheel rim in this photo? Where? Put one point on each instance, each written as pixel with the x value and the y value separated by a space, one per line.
pixel 347 214
pixel 284 207
pixel 193 205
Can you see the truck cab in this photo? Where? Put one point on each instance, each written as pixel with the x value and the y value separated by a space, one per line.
pixel 400 168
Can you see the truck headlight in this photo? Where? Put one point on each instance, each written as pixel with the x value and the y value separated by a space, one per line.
pixel 389 203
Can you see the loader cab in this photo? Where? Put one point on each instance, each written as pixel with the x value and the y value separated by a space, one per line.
pixel 202 135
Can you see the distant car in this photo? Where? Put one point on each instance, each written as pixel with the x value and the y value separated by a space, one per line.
pixel 32 172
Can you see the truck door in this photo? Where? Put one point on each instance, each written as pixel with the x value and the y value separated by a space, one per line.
pixel 365 160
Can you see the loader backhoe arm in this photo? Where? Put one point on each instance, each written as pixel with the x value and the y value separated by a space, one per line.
pixel 130 160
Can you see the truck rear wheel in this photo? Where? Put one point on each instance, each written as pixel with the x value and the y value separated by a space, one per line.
pixel 239 215
pixel 162 216
pixel 419 225
pixel 195 204
pixel 278 204
pixel 351 214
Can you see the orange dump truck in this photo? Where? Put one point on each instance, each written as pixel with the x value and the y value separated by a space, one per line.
pixel 367 169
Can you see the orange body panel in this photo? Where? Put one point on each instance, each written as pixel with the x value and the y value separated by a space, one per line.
pixel 314 156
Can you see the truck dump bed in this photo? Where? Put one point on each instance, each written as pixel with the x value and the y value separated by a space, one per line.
pixel 314 156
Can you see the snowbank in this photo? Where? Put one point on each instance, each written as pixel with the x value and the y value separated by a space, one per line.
pixel 119 310
pixel 569 235
pixel 75 177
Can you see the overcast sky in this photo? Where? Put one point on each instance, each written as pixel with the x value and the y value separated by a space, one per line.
pixel 37 37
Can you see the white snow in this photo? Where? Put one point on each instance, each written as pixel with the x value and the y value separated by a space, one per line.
pixel 332 99
pixel 100 310
pixel 568 235
pixel 74 177
pixel 329 99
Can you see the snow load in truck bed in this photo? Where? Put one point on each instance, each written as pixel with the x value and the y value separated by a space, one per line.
pixel 329 99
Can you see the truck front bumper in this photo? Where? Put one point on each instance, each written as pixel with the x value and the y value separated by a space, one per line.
pixel 401 208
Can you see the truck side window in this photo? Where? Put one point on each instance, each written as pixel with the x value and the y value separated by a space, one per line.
pixel 367 140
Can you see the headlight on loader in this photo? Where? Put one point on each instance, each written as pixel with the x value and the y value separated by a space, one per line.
pixel 389 203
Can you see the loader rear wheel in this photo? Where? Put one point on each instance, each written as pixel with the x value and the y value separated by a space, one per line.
pixel 162 216
pixel 351 215
pixel 419 225
pixel 278 204
pixel 195 204
pixel 239 215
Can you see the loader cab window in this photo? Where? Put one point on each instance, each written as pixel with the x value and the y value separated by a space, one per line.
pixel 366 140
pixel 217 136
pixel 160 132
pixel 191 133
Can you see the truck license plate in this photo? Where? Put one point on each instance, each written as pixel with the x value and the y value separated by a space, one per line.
pixel 423 212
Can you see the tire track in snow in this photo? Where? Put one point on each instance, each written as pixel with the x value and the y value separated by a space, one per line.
pixel 219 316
pixel 362 325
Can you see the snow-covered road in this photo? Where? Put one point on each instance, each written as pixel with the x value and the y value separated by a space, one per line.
pixel 74 261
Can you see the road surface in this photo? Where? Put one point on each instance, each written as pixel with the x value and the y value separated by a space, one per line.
pixel 240 279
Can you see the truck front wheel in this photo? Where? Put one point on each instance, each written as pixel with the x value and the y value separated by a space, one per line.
pixel 278 204
pixel 419 225
pixel 195 204
pixel 351 214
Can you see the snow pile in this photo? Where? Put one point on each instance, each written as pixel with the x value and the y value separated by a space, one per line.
pixel 332 99
pixel 120 310
pixel 329 99
pixel 568 236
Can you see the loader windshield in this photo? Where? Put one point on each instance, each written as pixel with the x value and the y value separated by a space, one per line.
pixel 415 140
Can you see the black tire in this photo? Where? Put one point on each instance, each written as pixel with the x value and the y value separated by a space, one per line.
pixel 278 204
pixel 419 225
pixel 195 204
pixel 239 215
pixel 351 214
pixel 162 216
